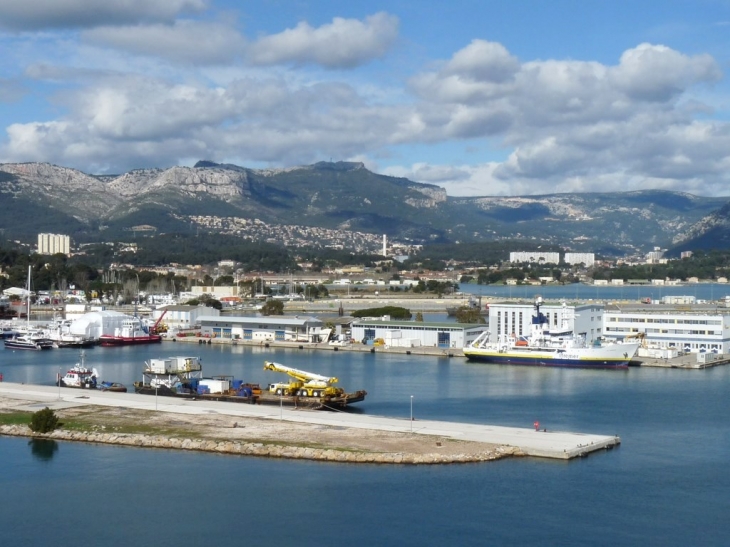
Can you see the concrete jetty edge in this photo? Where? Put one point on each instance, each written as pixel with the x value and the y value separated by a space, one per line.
pixel 259 449
pixel 512 441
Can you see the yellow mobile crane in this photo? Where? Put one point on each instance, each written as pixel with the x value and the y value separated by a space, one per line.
pixel 305 384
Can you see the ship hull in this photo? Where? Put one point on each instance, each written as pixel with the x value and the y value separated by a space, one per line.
pixel 617 357
pixel 314 403
pixel 129 340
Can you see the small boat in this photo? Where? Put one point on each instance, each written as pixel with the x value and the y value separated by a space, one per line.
pixel 23 341
pixel 112 386
pixel 26 337
pixel 61 336
pixel 79 376
pixel 7 332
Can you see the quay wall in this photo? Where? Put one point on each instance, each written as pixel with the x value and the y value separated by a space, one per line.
pixel 419 350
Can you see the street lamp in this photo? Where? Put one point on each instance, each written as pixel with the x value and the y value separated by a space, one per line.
pixel 59 383
pixel 411 413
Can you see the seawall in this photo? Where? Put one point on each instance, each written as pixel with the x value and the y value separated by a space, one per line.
pixel 260 449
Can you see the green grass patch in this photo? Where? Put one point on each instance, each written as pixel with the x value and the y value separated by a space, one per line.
pixel 15 418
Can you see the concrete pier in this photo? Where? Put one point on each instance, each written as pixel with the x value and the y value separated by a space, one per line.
pixel 545 444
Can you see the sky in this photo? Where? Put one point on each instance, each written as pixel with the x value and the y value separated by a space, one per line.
pixel 480 97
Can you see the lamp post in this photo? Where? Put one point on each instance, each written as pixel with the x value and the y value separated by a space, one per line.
pixel 59 383
pixel 411 413
pixel 156 388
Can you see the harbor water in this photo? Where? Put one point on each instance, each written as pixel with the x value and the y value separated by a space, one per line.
pixel 708 292
pixel 667 484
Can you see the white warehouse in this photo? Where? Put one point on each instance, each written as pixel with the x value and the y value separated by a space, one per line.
pixel 277 328
pixel 416 333
pixel 696 332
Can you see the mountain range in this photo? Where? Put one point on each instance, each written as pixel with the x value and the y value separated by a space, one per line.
pixel 40 197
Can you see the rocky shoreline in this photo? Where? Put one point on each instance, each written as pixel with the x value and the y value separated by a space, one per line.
pixel 261 449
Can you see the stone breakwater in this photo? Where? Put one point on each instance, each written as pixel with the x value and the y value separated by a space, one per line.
pixel 260 449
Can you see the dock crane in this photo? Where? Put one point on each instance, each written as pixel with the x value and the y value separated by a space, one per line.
pixel 305 384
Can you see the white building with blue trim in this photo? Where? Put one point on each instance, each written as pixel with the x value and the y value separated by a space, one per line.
pixel 273 328
pixel 664 327
pixel 416 333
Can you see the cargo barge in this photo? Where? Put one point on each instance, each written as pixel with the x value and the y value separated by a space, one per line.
pixel 182 378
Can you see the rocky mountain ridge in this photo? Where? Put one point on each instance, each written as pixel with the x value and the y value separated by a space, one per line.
pixel 337 196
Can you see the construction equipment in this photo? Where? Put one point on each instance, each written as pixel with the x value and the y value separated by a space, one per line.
pixel 305 384
pixel 641 336
pixel 158 328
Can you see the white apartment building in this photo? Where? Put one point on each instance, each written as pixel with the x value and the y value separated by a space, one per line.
pixel 589 259
pixel 50 244
pixel 696 332
pixel 534 256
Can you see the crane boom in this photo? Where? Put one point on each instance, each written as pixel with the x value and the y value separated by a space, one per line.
pixel 301 375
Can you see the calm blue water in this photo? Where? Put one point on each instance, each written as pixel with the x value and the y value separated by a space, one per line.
pixel 667 484
pixel 701 291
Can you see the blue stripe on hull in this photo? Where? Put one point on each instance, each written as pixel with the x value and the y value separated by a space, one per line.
pixel 537 362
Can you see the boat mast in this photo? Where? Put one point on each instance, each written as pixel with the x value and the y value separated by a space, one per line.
pixel 27 300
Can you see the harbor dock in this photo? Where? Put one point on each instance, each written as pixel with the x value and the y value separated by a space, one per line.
pixel 526 441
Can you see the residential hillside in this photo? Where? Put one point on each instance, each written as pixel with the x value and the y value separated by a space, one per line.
pixel 341 197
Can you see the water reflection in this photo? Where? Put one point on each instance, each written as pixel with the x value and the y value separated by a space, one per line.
pixel 43 449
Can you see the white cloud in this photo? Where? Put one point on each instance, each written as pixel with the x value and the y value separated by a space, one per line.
pixel 135 122
pixel 185 41
pixel 658 73
pixel 566 125
pixel 45 14
pixel 344 43
pixel 576 124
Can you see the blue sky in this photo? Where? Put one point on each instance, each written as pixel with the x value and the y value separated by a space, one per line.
pixel 479 97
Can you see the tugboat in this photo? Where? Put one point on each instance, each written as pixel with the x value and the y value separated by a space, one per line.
pixel 79 376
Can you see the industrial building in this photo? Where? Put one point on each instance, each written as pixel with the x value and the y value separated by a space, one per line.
pixel 182 316
pixel 415 333
pixel 585 319
pixel 667 327
pixel 277 328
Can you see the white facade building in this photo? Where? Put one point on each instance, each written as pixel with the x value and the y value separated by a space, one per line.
pixel 411 334
pixel 218 291
pixel 182 316
pixel 278 328
pixel 586 320
pixel 534 256
pixel 50 244
pixel 695 332
pixel 589 259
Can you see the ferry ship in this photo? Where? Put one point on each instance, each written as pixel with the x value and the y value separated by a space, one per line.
pixel 551 347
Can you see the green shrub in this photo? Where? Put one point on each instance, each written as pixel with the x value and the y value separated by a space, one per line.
pixel 43 421
pixel 395 312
